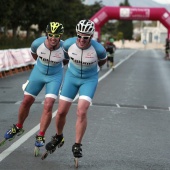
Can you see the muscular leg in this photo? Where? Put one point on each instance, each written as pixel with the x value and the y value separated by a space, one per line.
pixel 81 122
pixel 25 108
pixel 63 109
pixel 46 114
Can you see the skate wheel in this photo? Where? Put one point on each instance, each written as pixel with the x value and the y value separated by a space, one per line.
pixel 2 142
pixel 20 133
pixel 76 162
pixel 44 155
pixel 36 151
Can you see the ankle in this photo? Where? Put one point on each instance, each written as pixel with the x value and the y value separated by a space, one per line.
pixel 20 126
pixel 41 133
pixel 59 136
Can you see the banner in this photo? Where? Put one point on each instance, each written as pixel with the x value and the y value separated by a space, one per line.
pixel 15 58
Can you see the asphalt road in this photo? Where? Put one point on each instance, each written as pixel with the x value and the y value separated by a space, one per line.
pixel 128 121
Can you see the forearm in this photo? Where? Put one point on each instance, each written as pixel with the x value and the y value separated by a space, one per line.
pixel 65 62
pixel 34 56
pixel 102 62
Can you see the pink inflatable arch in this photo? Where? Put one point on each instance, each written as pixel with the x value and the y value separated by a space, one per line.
pixel 130 13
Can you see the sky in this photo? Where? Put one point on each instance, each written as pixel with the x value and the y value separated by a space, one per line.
pixel 162 1
pixel 134 3
pixel 107 1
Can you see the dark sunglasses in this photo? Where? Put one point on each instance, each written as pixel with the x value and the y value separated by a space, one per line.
pixel 53 35
pixel 84 37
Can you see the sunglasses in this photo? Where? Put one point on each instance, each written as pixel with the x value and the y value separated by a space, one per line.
pixel 53 35
pixel 84 37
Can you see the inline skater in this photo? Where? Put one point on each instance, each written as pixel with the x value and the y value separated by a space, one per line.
pixel 167 48
pixel 110 48
pixel 48 72
pixel 86 57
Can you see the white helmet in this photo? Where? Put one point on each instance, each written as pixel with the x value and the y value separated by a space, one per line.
pixel 85 27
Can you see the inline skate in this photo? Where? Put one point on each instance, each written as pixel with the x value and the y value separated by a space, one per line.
pixel 11 133
pixel 40 141
pixel 56 141
pixel 77 153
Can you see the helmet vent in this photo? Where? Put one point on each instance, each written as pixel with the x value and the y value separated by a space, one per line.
pixel 85 27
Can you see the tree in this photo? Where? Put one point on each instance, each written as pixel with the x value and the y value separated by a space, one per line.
pixel 25 13
pixel 125 26
pixel 5 13
pixel 90 10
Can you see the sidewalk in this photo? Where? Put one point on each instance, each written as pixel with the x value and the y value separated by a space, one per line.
pixel 138 45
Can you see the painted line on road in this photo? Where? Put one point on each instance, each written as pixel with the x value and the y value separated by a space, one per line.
pixel 122 106
pixel 18 102
pixel 145 107
pixel 26 136
pixel 118 105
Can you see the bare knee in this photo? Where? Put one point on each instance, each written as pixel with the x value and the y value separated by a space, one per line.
pixel 28 101
pixel 61 114
pixel 81 114
pixel 48 105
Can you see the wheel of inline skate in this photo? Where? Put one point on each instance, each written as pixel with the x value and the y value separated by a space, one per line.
pixel 2 142
pixel 20 133
pixel 44 155
pixel 76 162
pixel 36 151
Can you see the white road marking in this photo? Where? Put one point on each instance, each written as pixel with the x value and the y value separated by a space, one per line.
pixel 118 105
pixel 145 107
pixel 18 102
pixel 26 136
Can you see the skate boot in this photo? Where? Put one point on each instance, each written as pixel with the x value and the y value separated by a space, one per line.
pixel 107 64
pixel 11 133
pixel 77 152
pixel 112 65
pixel 56 141
pixel 40 141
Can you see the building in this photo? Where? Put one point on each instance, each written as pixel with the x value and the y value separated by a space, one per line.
pixel 156 34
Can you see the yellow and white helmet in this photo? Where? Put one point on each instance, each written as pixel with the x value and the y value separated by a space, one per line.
pixel 55 28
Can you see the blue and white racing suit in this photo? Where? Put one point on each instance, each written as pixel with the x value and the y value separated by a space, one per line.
pixel 48 70
pixel 82 73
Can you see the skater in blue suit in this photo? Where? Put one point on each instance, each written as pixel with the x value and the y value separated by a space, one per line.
pixel 48 72
pixel 85 58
